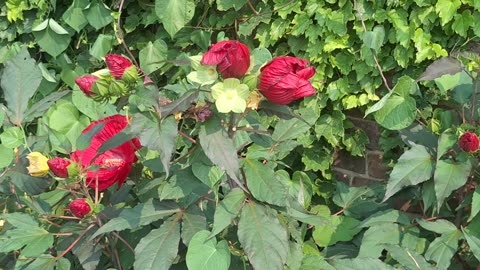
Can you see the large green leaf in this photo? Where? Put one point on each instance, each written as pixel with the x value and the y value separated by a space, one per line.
pixel 361 264
pixel 102 46
pixel 153 56
pixel 446 9
pixel 475 204
pixel 39 108
pixel 439 226
pixel 51 37
pixel 141 214
pixel 442 66
pixel 26 183
pixel 263 184
pixel 98 14
pixel 12 137
pixel 20 80
pixel 446 141
pixel 7 155
pixel 413 167
pixel 355 201
pixel 193 221
pixel 263 237
pixel 387 216
pixel 174 14
pixel 207 254
pixel 374 39
pixel 473 241
pixel 442 249
pixel 158 249
pixel 448 177
pixel 408 258
pixel 342 228
pixel 228 4
pixel 74 15
pixel 227 209
pixel 399 112
pixel 289 129
pixel 26 234
pixel 387 233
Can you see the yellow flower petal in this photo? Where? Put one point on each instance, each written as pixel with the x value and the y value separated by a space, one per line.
pixel 37 164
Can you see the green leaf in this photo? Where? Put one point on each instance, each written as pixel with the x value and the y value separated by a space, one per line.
pixel 473 241
pixel 26 235
pixel 315 262
pixel 182 185
pixel 7 155
pixel 446 9
pixel 440 226
pixel 343 228
pixel 447 140
pixel 397 113
pixel 462 23
pixel 20 80
pixel 263 238
pixel 440 67
pixel 331 127
pixel 87 252
pixel 84 140
pixel 39 108
pixel 475 204
pixel 141 214
pixel 98 14
pixel 74 15
pixel 374 39
pixel 360 264
pixel 353 199
pixel 223 5
pixel 153 56
pixel 413 167
pixel 448 177
pixel 387 216
pixel 379 104
pixel 227 209
pixel 219 148
pixel 174 14
pixel 387 233
pixel 193 221
pixel 103 44
pixel 158 249
pixel 179 105
pixel 207 254
pixel 442 249
pixel 408 258
pixel 26 183
pixel 282 111
pixel 54 39
pixel 48 262
pixel 263 184
pixel 289 129
pixel 12 137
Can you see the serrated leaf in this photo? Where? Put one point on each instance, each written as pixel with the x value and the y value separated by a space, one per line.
pixel 193 221
pixel 443 248
pixel 179 105
pixel 282 111
pixel 379 104
pixel 153 56
pixel 224 5
pixel 26 234
pixel 141 214
pixel 442 66
pixel 26 183
pixel 289 129
pixel 20 80
pixel 158 249
pixel 440 226
pixel 263 238
pixel 446 9
pixel 227 209
pixel 174 14
pixel 263 184
pixel 374 39
pixel 398 112
pixel 387 216
pixel 448 177
pixel 473 241
pixel 387 233
pixel 408 258
pixel 413 167
pixel 342 228
pixel 98 14
pixel 206 254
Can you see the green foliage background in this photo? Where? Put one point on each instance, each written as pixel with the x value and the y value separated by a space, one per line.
pixel 308 220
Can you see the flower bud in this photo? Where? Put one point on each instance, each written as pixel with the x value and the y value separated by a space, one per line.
pixel 59 166
pixel 37 164
pixel 130 75
pixel 203 113
pixel 79 207
pixel 468 142
pixel 117 65
pixel 85 83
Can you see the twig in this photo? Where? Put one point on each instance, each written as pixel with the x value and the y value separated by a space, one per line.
pixel 186 136
pixel 252 8
pixel 360 15
pixel 75 242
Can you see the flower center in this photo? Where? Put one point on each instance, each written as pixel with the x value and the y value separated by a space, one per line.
pixel 230 93
pixel 113 162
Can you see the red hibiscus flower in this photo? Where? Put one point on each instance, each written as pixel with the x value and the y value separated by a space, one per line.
pixel 231 57
pixel 468 142
pixel 114 165
pixel 85 83
pixel 79 208
pixel 59 166
pixel 117 64
pixel 285 79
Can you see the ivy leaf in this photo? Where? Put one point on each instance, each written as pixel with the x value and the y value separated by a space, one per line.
pixel 74 15
pixel 446 9
pixel 331 127
pixel 51 37
pixel 440 67
pixel 374 39
pixel 462 23
pixel 263 237
pixel 152 57
pixel 174 14
pixel 158 249
pixel 224 5
pixel 26 234
pixel 20 80
pixel 413 167
pixel 207 254
pixel 448 177
pixel 141 214
pixel 227 209
pixel 263 184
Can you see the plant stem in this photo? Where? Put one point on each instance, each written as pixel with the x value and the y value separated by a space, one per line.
pixel 474 100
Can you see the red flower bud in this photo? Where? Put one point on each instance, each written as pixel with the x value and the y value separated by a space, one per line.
pixel 231 57
pixel 85 83
pixel 285 79
pixel 59 166
pixel 468 142
pixel 79 208
pixel 117 64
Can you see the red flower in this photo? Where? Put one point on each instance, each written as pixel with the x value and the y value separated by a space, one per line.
pixel 114 165
pixel 85 83
pixel 285 79
pixel 117 64
pixel 231 57
pixel 79 208
pixel 59 166
pixel 468 142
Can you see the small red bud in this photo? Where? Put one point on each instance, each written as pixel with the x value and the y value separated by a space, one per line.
pixel 468 142
pixel 85 83
pixel 59 166
pixel 79 208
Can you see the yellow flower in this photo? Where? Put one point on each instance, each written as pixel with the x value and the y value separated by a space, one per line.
pixel 38 164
